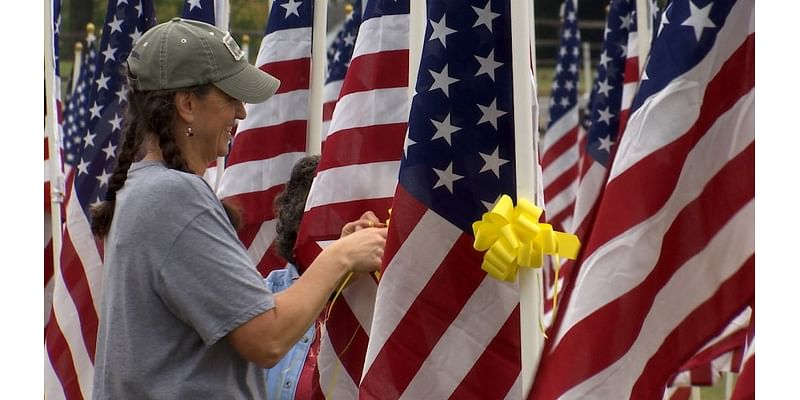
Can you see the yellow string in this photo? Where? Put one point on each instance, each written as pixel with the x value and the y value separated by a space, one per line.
pixel 555 286
pixel 541 321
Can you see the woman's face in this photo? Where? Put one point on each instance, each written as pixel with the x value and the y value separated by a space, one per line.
pixel 216 117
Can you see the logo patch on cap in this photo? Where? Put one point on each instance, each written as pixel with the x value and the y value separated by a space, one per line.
pixel 233 47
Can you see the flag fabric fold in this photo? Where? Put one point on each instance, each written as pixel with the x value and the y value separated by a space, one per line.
pixel 670 259
pixel 442 328
pixel 272 137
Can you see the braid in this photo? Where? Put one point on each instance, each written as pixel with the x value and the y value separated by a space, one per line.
pixel 289 205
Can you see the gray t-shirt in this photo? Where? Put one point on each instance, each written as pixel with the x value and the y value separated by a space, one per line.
pixel 177 280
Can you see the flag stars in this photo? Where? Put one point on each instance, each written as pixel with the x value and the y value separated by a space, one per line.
pixel 604 59
pixel 603 87
pixel 440 30
pixel 492 162
pixel 349 39
pixel 103 178
pixel 102 82
pixel 485 15
pixel 605 143
pixel 83 167
pixel 565 102
pixel 487 65
pixel 446 177
pixel 88 140
pixel 626 21
pixel 490 114
pixel 291 8
pixel 194 4
pixel 699 19
pixel 567 34
pixel 442 80
pixel 122 94
pixel 116 25
pixel 109 150
pixel 135 36
pixel 605 115
pixel 109 53
pixel 116 122
pixel 95 110
pixel 444 130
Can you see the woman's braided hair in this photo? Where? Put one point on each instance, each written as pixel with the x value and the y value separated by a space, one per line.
pixel 289 205
pixel 146 112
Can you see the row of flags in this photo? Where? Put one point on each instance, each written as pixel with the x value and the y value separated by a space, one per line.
pixel 658 186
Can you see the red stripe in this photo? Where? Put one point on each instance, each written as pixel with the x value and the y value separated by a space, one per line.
pixel 428 317
pixel 348 339
pixel 48 208
pixel 325 223
pixel 61 360
pixel 724 195
pixel 734 80
pixel 561 146
pixel 496 370
pixel 631 69
pixel 267 142
pixel 293 74
pixel 703 323
pixel 270 261
pixel 327 110
pixel 410 212
pixel 78 286
pixel 49 262
pixel 367 144
pixel 700 375
pixel 733 341
pixel 46 148
pixel 681 393
pixel 256 207
pixel 746 385
pixel 381 70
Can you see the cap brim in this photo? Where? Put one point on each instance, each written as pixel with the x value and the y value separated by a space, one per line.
pixel 250 85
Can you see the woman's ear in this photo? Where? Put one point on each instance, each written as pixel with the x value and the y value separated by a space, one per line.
pixel 184 104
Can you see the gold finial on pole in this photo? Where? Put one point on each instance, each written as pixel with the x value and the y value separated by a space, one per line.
pixel 348 8
pixel 90 28
pixel 78 47
pixel 245 39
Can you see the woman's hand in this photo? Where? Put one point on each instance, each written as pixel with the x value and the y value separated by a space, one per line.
pixel 362 249
pixel 367 220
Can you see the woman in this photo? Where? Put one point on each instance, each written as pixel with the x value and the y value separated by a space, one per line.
pixel 184 313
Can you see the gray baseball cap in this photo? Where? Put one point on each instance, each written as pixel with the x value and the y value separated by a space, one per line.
pixel 183 53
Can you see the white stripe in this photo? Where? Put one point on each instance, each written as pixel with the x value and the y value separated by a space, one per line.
pixel 628 91
pixel 258 175
pixel 588 192
pixel 563 199
pixel 360 297
pixel 416 261
pixel 83 241
pixel 386 33
pixel 342 184
pixel 281 108
pixel 263 239
pixel 565 161
pixel 330 93
pixel 688 288
pixel 595 286
pixel 285 45
pixel 325 129
pixel 52 386
pixel 373 107
pixel 567 123
pixel 462 344
pixel 682 96
pixel 334 380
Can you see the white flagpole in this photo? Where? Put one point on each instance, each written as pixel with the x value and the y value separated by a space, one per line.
pixel 416 39
pixel 587 69
pixel 643 30
pixel 530 292
pixel 222 16
pixel 314 127
pixel 246 46
pixel 76 66
pixel 54 138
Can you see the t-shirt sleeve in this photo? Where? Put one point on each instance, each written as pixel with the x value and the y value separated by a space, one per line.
pixel 208 280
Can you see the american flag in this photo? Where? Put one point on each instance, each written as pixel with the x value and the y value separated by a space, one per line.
pixel 77 112
pixel 272 137
pixel 560 152
pixel 53 166
pixel 71 334
pixel 442 328
pixel 746 384
pixel 339 55
pixel 217 13
pixel 357 172
pixel 670 260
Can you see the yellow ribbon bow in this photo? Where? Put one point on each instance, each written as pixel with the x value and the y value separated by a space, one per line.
pixel 513 237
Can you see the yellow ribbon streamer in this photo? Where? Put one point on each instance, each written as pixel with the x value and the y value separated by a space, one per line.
pixel 513 237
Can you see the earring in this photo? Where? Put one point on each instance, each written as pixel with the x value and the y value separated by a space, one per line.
pixel 189 132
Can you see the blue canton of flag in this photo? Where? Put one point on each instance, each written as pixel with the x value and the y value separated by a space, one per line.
pixel 460 146
pixel 564 94
pixel 199 10
pixel 126 20
pixel 606 97
pixel 76 116
pixel 341 50
pixel 665 64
